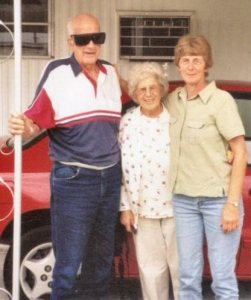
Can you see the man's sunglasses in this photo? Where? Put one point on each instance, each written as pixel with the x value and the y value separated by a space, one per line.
pixel 84 39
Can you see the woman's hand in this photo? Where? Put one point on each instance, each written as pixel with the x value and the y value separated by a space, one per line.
pixel 230 219
pixel 127 219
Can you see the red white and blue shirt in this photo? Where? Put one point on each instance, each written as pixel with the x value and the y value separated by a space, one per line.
pixel 81 116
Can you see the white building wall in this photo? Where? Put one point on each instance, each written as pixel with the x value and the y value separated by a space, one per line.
pixel 226 23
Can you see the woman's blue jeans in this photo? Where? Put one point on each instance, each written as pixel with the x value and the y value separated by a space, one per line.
pixel 197 219
pixel 84 210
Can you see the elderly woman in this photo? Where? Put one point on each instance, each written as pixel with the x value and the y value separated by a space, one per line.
pixel 146 200
pixel 204 124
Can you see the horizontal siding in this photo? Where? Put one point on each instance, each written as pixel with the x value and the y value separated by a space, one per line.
pixel 31 70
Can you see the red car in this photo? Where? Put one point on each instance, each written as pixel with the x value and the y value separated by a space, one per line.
pixel 37 256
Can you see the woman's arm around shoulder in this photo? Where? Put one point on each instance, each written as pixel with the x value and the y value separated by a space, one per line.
pixel 231 211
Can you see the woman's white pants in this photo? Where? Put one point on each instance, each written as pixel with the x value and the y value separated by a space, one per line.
pixel 157 257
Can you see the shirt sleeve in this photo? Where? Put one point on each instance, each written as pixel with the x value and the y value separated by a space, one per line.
pixel 124 201
pixel 228 119
pixel 41 111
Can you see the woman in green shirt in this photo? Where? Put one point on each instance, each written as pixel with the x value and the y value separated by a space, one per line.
pixel 204 125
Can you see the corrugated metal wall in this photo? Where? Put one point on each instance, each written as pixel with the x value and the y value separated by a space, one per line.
pixel 226 23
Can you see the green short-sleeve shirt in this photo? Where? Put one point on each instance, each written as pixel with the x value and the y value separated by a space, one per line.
pixel 200 130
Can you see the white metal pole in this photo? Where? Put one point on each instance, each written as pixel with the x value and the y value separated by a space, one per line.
pixel 18 152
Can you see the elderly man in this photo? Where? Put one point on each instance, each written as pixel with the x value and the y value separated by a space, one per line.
pixel 78 101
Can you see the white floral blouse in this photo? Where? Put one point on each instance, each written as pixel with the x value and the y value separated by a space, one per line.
pixel 145 146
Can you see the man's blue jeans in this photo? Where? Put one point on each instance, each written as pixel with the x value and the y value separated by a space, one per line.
pixel 197 219
pixel 84 210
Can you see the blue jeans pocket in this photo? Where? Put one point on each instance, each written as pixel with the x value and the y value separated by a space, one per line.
pixel 66 172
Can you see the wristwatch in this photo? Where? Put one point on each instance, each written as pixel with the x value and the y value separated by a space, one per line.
pixel 234 203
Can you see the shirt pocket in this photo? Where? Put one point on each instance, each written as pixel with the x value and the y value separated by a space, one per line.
pixel 194 125
pixel 195 131
pixel 205 131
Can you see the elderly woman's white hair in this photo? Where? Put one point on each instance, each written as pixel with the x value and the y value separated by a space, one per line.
pixel 141 71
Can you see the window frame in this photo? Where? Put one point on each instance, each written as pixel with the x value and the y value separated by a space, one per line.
pixel 151 14
pixel 50 34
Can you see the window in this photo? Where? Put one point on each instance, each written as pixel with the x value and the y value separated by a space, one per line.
pixel 35 27
pixel 146 37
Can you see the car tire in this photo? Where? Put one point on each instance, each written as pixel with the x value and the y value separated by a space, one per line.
pixel 36 265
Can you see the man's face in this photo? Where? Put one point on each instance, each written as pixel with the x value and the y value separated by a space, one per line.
pixel 86 55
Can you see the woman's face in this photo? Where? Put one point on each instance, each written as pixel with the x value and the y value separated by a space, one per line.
pixel 149 94
pixel 192 69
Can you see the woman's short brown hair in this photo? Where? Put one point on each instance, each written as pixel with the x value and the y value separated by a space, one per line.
pixel 195 45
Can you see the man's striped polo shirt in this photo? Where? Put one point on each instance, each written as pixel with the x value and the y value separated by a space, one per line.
pixel 81 115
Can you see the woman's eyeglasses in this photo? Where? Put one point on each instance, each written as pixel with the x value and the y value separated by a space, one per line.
pixel 84 39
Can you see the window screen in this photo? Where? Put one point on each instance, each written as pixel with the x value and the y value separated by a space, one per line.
pixel 151 37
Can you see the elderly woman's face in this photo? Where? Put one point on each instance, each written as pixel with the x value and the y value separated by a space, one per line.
pixel 192 69
pixel 149 94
